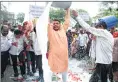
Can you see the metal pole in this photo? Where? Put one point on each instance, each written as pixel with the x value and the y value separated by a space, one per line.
pixel 0 12
pixel 0 6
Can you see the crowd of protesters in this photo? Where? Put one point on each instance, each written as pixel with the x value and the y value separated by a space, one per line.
pixel 21 45
pixel 22 49
pixel 75 38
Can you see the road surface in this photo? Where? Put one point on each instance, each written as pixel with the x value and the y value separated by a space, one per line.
pixel 75 67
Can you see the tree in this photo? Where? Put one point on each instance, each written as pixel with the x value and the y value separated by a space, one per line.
pixel 57 14
pixel 3 12
pixel 20 17
pixel 106 9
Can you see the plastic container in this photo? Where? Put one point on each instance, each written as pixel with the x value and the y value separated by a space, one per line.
pixel 110 21
pixel 63 5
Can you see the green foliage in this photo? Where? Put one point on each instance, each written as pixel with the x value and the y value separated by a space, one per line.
pixel 107 3
pixel 56 13
pixel 20 17
pixel 3 12
pixel 106 10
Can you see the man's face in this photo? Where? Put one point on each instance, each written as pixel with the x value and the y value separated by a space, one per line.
pixel 5 31
pixel 56 25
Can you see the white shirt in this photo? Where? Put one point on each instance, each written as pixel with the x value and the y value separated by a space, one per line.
pixel 82 39
pixel 5 43
pixel 92 52
pixel 10 35
pixel 16 50
pixel 36 45
pixel 104 42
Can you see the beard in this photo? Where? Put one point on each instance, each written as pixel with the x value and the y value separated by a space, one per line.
pixel 56 28
pixel 4 34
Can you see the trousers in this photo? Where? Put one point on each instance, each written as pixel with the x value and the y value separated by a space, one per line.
pixel 4 61
pixel 101 73
pixel 15 64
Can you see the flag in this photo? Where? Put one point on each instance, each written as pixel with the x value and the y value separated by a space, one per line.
pixel 41 30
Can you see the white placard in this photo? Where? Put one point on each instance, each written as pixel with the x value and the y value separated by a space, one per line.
pixel 85 16
pixel 36 11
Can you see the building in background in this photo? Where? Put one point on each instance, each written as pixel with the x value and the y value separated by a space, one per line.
pixel 11 17
pixel 5 14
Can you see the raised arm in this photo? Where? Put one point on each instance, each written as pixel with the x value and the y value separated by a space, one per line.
pixel 67 19
pixel 93 30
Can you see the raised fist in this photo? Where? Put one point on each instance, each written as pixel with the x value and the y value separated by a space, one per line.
pixel 74 13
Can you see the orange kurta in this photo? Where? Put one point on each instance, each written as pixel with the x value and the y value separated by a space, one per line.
pixel 58 47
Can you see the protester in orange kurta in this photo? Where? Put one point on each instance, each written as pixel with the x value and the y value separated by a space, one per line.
pixel 58 46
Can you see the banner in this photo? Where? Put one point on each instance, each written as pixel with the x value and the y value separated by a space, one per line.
pixel 85 16
pixel 36 11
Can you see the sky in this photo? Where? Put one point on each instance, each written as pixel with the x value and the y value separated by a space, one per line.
pixel 90 7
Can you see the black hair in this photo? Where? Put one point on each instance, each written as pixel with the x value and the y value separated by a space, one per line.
pixel 69 30
pixel 57 20
pixel 101 23
pixel 12 29
pixel 17 32
pixel 3 27
pixel 14 26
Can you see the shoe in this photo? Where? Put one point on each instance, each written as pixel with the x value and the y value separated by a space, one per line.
pixel 36 74
pixel 33 70
pixel 24 76
pixel 20 77
pixel 30 74
pixel 15 78
pixel 41 78
pixel 16 75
